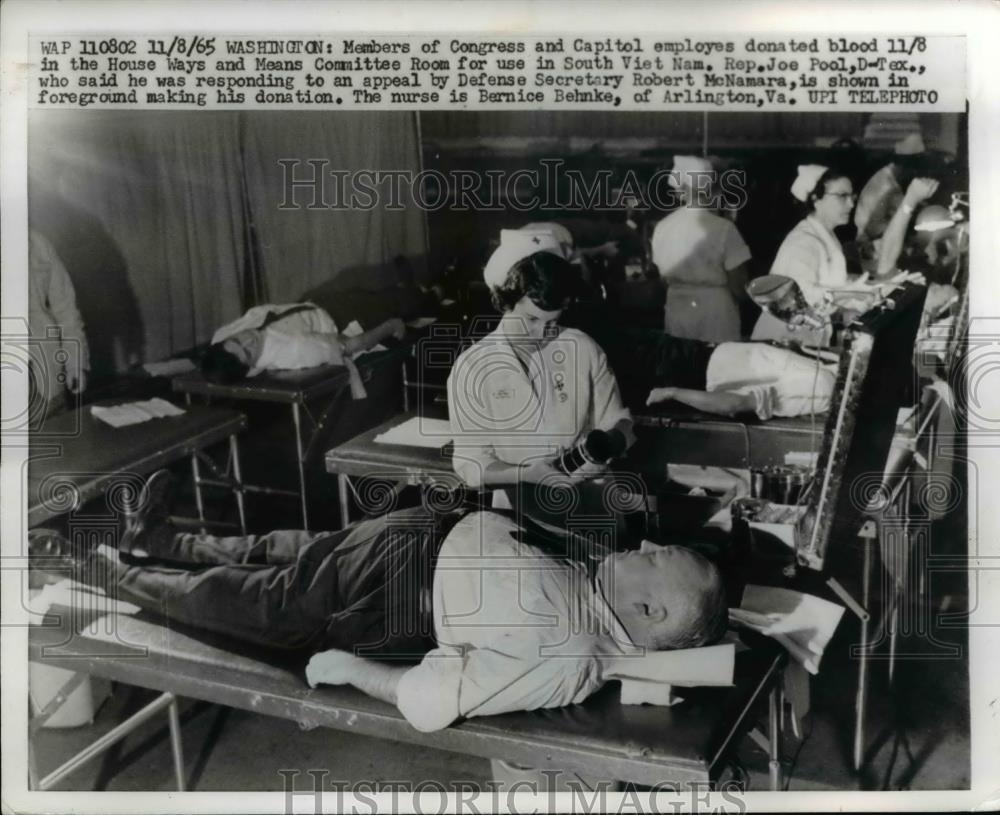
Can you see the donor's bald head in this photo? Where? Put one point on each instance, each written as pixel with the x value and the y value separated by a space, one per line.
pixel 666 596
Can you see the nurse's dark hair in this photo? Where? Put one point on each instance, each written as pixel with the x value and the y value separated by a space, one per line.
pixel 220 366
pixel 819 190
pixel 547 279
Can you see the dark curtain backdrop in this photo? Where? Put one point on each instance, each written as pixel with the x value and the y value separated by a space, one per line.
pixel 168 222
pixel 303 248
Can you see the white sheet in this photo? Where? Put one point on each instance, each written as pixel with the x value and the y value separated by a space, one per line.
pixel 432 434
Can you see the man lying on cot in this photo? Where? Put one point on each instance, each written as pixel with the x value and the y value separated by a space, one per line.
pixel 734 377
pixel 498 623
pixel 287 337
pixel 729 378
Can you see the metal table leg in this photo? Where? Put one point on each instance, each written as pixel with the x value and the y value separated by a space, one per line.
pixel 165 701
pixel 343 496
pixel 406 390
pixel 862 692
pixel 198 498
pixel 774 738
pixel 234 452
pixel 176 745
pixel 300 458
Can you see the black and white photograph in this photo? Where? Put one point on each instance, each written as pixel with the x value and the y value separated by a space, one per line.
pixel 402 411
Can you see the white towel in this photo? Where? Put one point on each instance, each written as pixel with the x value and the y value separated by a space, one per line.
pixel 650 678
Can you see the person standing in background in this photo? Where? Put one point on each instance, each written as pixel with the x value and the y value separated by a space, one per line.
pixel 702 258
pixel 54 319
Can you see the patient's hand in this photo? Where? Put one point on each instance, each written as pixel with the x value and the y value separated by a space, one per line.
pixel 331 667
pixel 657 395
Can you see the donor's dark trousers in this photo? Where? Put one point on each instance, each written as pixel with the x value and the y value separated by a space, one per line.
pixel 366 588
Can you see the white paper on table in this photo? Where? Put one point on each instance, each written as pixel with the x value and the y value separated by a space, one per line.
pixel 418 432
pixel 802 623
pixel 135 412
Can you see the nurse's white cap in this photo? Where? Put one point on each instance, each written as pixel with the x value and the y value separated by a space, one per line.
pixel 807 179
pixel 516 245
pixel 684 166
pixel 557 230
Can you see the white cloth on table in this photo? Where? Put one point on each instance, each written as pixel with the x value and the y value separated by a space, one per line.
pixel 130 413
pixel 418 431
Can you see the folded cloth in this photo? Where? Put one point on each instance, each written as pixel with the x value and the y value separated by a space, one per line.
pixel 802 623
pixel 135 412
pixel 650 677
pixel 642 692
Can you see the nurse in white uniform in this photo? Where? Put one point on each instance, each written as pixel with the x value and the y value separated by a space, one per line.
pixel 702 258
pixel 531 389
pixel 811 254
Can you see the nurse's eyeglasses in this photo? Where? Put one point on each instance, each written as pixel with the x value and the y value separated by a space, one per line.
pixel 845 196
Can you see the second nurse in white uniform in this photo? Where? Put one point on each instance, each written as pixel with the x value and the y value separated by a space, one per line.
pixel 811 254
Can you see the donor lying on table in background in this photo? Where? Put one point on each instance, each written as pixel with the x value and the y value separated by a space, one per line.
pixel 287 337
